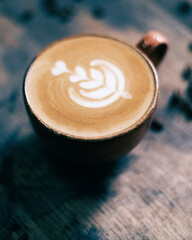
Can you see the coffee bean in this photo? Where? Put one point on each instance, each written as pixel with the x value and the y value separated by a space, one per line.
pixel 187 73
pixel 50 6
pixel 181 104
pixel 67 13
pixel 185 7
pixel 186 108
pixel 174 100
pixel 27 15
pixel 189 114
pixel 190 47
pixel 156 125
pixel 98 12
pixel 189 92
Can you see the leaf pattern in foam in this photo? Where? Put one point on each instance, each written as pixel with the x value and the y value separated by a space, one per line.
pixel 96 75
pixel 90 84
pixel 75 78
pixel 97 80
pixel 110 79
pixel 81 72
pixel 97 94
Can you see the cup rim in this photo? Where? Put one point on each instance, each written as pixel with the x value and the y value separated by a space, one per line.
pixel 125 131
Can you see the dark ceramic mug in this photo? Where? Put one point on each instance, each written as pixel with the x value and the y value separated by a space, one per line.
pixel 152 48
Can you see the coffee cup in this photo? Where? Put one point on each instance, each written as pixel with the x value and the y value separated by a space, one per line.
pixel 92 98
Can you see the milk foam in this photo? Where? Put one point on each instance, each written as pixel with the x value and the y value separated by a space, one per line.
pixel 102 88
pixel 89 87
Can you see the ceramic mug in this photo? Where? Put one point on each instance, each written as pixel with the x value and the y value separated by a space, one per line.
pixel 152 48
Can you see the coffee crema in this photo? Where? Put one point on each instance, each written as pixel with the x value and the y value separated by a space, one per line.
pixel 90 87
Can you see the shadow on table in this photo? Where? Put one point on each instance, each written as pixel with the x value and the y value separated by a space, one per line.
pixel 38 185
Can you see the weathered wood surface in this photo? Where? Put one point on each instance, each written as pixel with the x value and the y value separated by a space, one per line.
pixel 147 195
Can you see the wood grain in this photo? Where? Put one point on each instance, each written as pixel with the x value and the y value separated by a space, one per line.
pixel 144 196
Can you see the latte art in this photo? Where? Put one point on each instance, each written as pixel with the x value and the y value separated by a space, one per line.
pixel 96 89
pixel 89 87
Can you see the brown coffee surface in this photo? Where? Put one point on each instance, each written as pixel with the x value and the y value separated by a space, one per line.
pixel 89 87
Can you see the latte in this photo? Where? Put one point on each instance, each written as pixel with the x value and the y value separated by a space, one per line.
pixel 90 87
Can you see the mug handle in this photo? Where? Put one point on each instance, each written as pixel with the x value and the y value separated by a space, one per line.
pixel 153 44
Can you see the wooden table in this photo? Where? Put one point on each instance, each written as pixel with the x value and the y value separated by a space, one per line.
pixel 147 195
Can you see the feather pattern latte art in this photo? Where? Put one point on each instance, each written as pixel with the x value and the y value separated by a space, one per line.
pixel 103 84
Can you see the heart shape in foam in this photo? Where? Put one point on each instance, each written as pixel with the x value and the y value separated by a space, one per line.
pixel 60 67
